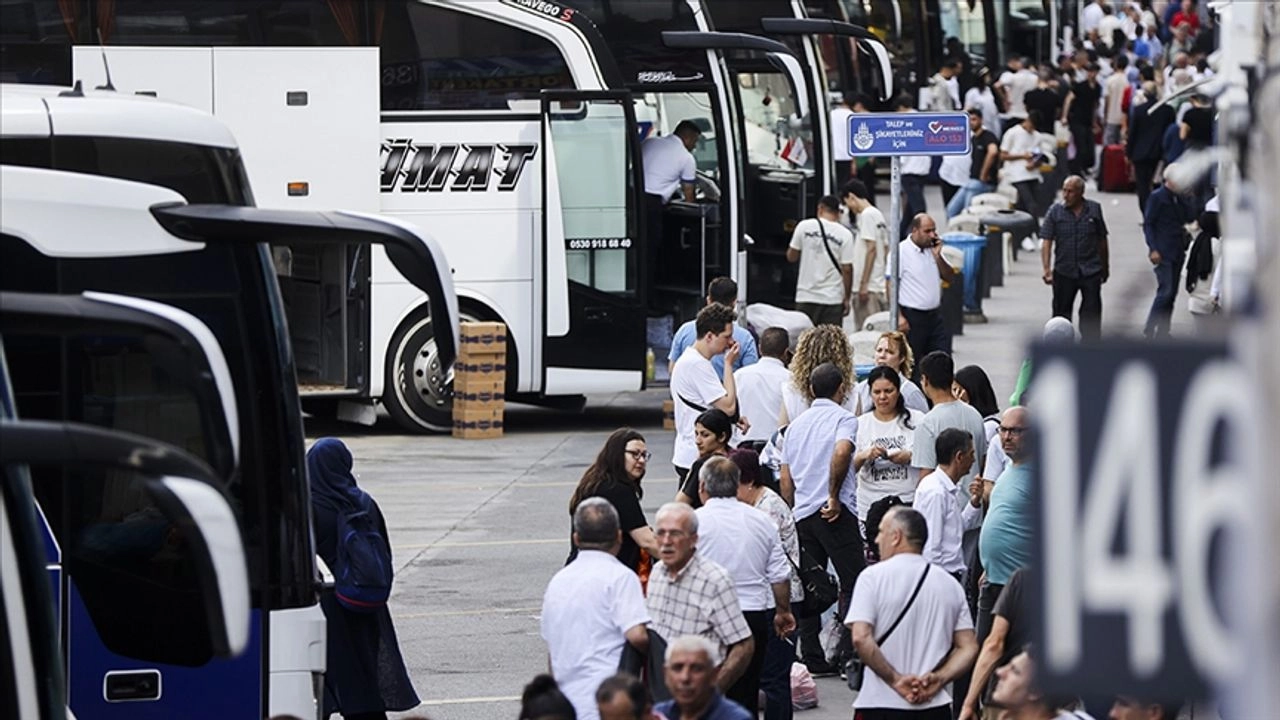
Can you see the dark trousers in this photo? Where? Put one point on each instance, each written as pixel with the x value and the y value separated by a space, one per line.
pixel 942 712
pixel 1161 314
pixel 986 603
pixel 1082 134
pixel 867 174
pixel 913 204
pixel 1144 172
pixel 822 314
pixel 840 543
pixel 927 333
pixel 1090 290
pixel 1027 201
pixel 746 689
pixel 948 191
pixel 653 234
pixel 775 675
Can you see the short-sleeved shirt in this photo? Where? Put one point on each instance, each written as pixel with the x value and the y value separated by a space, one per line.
pixel 954 414
pixel 912 396
pixel 692 379
pixel 919 284
pixel 1012 606
pixel 1046 103
pixel 872 232
pixel 881 478
pixel 1005 544
pixel 1085 106
pixel 667 163
pixel 981 142
pixel 586 611
pixel 811 441
pixel 1113 112
pixel 745 542
pixel 1018 85
pixel 818 280
pixel 926 634
pixel 1076 238
pixel 687 334
pixel 760 395
pixel 1020 142
pixel 624 499
pixel 700 600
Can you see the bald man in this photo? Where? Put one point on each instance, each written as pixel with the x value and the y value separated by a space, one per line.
pixel 921 272
pixel 1075 256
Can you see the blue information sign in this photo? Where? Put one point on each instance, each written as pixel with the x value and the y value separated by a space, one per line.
pixel 914 133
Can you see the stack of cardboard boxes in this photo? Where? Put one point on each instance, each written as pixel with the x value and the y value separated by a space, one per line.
pixel 479 381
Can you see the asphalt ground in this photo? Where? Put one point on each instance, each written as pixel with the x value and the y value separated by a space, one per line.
pixel 478 527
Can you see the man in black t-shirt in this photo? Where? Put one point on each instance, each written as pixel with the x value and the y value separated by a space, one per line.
pixel 1010 631
pixel 1081 114
pixel 1044 100
pixel 982 165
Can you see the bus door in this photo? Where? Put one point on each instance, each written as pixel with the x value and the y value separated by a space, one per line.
pixel 594 256
pixel 128 580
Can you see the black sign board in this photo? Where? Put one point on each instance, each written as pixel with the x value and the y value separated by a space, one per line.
pixel 1142 503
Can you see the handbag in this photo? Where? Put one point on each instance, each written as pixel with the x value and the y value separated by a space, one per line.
pixel 820 589
pixel 856 667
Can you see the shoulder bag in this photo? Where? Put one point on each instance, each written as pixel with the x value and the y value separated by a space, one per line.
pixel 856 668
pixel 826 244
pixel 820 589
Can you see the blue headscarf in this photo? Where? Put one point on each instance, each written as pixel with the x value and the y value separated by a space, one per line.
pixel 329 472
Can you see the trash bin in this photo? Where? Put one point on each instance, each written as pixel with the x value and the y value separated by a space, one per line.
pixel 1017 223
pixel 992 262
pixel 972 245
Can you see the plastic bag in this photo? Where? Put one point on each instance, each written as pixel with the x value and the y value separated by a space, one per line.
pixel 804 691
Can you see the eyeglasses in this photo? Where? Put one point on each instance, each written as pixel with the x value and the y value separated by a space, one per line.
pixel 643 455
pixel 1015 431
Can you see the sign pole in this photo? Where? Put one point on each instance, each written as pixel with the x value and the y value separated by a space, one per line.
pixel 895 222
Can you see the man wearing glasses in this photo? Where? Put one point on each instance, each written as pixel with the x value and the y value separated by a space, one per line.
pixel 1005 543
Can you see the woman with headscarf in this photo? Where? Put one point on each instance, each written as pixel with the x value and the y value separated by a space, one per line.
pixel 365 674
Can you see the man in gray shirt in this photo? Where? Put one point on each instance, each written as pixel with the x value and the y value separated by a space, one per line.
pixel 1075 256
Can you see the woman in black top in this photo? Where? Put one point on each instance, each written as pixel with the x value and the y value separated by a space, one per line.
pixel 615 476
pixel 365 674
pixel 711 433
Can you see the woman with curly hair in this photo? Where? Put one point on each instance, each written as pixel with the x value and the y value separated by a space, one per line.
pixel 817 345
pixel 892 350
pixel 615 476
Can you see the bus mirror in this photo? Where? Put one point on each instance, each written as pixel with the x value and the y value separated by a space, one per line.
pixel 150 542
pixel 789 66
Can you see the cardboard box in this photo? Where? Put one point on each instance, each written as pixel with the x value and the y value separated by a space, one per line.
pixel 473 395
pixel 482 339
pixel 474 375
pixel 477 421
pixel 668 415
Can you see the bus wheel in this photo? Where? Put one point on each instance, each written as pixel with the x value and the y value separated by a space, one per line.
pixel 418 393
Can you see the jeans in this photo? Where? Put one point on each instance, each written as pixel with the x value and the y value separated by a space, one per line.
pixel 840 543
pixel 913 188
pixel 1064 300
pixel 967 193
pixel 1161 314
pixel 775 674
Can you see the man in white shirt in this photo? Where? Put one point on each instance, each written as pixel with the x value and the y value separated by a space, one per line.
pixel 695 387
pixel 840 115
pixel 870 251
pixel 1090 18
pixel 1014 84
pixel 921 271
pixel 944 89
pixel 824 249
pixel 1021 153
pixel 668 167
pixel 907 672
pixel 744 541
pixel 592 608
pixel 817 480
pixel 760 385
pixel 1115 119
pixel 939 500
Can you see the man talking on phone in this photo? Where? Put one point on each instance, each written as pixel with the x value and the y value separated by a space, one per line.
pixel 920 289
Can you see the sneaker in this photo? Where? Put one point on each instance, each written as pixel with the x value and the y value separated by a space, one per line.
pixel 1029 245
pixel 821 668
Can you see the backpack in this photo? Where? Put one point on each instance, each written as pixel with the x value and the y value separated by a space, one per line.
pixel 362 573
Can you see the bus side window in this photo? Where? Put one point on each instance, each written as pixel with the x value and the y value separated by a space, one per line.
pixel 440 59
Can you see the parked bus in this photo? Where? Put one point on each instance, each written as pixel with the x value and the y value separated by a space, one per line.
pixel 96 197
pixel 510 128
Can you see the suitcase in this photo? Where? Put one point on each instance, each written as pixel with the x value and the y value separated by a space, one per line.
pixel 1117 172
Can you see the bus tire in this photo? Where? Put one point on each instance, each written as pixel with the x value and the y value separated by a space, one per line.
pixel 418 393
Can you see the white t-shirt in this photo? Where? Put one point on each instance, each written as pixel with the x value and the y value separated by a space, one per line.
pixel 692 378
pixel 955 169
pixel 915 164
pixel 881 478
pixel 919 284
pixel 744 541
pixel 1090 16
pixel 872 231
pixel 840 134
pixel 983 98
pixel 1018 84
pixel 818 280
pixel 760 395
pixel 667 163
pixel 1018 141
pixel 923 638
pixel 586 611
pixel 1113 92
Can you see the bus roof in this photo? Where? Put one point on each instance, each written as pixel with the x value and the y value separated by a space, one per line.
pixel 43 111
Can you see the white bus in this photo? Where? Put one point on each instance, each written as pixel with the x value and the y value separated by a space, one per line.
pixel 509 128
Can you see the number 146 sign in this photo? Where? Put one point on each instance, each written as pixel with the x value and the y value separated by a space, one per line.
pixel 1143 509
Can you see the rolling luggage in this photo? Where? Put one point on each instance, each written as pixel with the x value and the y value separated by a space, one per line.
pixel 1117 172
